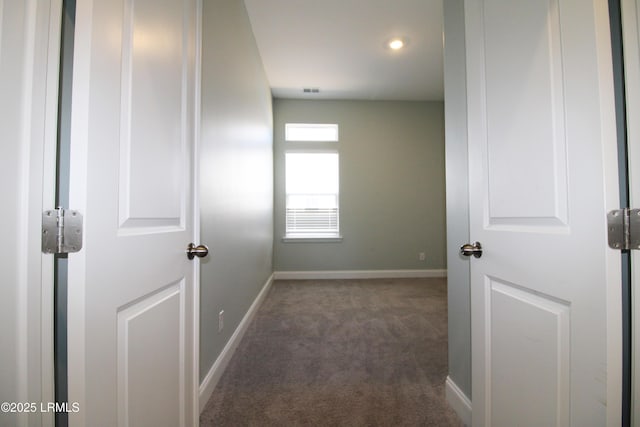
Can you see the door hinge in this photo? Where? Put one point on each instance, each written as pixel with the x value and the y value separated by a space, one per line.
pixel 61 231
pixel 624 229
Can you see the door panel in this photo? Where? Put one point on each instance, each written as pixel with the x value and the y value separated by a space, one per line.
pixel 542 175
pixel 132 294
pixel 137 374
pixel 528 148
pixel 154 126
pixel 528 330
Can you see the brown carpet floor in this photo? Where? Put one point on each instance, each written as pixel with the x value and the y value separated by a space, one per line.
pixel 340 353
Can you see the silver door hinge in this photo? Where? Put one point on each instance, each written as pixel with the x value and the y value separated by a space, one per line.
pixel 61 231
pixel 624 229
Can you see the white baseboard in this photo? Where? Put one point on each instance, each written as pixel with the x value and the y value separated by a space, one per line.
pixel 357 274
pixel 213 376
pixel 458 401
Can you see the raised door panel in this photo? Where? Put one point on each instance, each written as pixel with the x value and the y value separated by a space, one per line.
pixel 525 132
pixel 154 116
pixel 150 389
pixel 529 351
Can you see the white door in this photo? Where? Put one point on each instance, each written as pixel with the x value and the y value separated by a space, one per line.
pixel 132 296
pixel 546 336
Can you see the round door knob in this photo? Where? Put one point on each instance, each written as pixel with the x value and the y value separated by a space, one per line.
pixel 199 251
pixel 469 249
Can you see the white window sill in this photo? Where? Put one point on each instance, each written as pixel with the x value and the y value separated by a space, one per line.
pixel 312 239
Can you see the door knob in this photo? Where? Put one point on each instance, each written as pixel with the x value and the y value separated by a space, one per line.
pixel 200 251
pixel 469 249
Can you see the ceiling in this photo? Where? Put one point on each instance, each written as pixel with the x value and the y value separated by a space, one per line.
pixel 338 47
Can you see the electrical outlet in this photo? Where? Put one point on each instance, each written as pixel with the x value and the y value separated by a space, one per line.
pixel 220 320
pixel 422 256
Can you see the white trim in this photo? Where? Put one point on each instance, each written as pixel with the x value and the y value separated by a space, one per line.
pixel 31 55
pixel 458 401
pixel 357 274
pixel 78 192
pixel 47 198
pixel 213 376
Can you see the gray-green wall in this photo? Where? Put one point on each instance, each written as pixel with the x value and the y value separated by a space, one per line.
pixel 236 174
pixel 392 192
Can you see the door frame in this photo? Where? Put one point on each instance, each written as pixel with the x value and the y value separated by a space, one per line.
pixel 630 12
pixel 29 299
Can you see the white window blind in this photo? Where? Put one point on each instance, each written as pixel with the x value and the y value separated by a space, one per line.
pixel 312 194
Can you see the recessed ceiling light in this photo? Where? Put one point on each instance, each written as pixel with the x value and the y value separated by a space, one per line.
pixel 397 43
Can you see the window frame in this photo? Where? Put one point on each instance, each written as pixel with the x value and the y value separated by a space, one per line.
pixel 298 126
pixel 311 147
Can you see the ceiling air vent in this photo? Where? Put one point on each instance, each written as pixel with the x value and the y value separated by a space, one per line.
pixel 311 90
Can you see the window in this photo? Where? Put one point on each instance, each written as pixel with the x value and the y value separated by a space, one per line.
pixel 310 132
pixel 312 194
pixel 312 187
